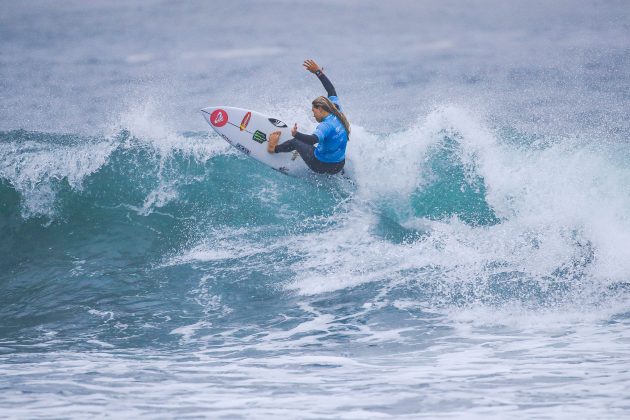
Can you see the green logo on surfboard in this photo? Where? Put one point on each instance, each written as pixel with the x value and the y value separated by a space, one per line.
pixel 259 137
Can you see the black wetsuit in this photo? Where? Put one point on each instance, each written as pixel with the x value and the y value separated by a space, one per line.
pixel 305 143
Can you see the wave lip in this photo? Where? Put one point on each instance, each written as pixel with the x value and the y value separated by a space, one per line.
pixel 34 166
pixel 42 167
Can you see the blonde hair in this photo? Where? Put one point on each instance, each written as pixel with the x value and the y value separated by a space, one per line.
pixel 327 105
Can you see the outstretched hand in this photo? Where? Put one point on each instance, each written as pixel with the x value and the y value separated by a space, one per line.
pixel 294 130
pixel 312 66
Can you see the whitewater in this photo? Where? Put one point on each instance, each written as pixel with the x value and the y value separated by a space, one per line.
pixel 477 266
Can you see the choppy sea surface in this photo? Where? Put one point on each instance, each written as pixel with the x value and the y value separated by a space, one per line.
pixel 477 266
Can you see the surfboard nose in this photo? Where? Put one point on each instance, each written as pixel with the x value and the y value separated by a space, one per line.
pixel 208 110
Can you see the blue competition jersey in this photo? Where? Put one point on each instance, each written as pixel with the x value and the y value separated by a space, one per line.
pixel 332 137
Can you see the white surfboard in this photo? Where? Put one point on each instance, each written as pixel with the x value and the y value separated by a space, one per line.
pixel 248 132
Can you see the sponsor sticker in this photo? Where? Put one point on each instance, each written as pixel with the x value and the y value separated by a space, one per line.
pixel 245 121
pixel 259 137
pixel 225 138
pixel 242 148
pixel 277 123
pixel 218 118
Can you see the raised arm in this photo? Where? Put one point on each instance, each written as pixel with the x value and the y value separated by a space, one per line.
pixel 318 71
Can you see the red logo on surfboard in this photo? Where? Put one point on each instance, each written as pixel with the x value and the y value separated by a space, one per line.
pixel 245 121
pixel 218 118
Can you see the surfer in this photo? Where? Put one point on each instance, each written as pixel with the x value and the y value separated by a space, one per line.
pixel 330 136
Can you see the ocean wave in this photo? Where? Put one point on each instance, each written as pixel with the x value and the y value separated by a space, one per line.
pixel 446 214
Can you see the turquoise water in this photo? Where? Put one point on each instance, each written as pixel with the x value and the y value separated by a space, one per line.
pixel 476 266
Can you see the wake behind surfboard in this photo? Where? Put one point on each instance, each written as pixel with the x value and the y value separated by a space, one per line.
pixel 247 131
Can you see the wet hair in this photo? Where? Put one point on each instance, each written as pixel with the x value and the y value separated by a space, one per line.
pixel 326 104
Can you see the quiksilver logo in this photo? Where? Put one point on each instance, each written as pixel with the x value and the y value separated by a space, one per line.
pixel 277 123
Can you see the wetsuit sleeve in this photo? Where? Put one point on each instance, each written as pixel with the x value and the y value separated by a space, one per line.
pixel 330 89
pixel 289 145
pixel 307 138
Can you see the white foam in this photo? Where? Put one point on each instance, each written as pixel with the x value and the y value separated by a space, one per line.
pixel 34 169
pixel 101 343
pixel 561 207
pixel 188 331
pixel 149 127
pixel 106 315
pixel 147 121
pixel 220 244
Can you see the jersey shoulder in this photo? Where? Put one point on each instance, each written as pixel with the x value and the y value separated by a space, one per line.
pixel 324 129
pixel 335 100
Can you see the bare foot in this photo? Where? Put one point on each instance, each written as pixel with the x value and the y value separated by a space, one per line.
pixel 273 141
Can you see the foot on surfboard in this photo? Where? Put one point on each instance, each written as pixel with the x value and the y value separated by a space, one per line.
pixel 273 141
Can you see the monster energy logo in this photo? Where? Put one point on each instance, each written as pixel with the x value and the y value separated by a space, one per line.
pixel 242 148
pixel 259 137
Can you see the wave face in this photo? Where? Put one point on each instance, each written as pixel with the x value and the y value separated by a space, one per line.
pixel 154 243
pixel 448 214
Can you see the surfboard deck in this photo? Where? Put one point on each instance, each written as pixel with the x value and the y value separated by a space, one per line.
pixel 247 131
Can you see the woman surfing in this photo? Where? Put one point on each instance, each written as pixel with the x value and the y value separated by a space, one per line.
pixel 330 136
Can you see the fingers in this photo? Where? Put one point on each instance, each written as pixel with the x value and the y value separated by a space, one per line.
pixel 310 65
